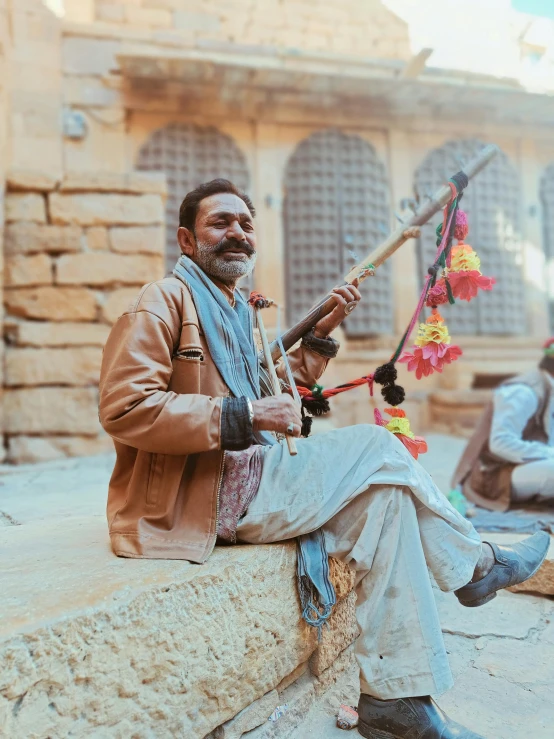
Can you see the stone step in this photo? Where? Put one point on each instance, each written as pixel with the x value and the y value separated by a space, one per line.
pixel 91 644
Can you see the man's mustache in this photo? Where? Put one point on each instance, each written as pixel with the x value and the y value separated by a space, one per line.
pixel 234 245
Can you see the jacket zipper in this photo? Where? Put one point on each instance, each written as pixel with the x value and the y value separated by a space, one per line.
pixel 220 483
pixel 219 491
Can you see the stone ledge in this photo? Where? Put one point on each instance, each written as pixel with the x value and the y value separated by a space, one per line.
pixel 25 179
pixel 88 640
pixel 131 182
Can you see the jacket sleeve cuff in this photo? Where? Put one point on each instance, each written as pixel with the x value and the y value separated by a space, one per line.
pixel 236 428
pixel 326 347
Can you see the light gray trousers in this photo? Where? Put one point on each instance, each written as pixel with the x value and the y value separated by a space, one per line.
pixel 533 480
pixel 383 514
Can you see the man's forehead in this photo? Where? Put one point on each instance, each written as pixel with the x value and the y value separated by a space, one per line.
pixel 224 202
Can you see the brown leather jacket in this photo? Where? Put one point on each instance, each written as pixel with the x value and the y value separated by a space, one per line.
pixel 161 400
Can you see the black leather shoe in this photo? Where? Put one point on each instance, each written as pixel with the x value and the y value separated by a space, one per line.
pixel 407 718
pixel 513 564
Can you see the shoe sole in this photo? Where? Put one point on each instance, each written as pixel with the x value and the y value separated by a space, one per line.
pixel 487 598
pixel 371 733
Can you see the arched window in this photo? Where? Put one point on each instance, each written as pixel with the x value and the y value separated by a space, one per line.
pixel 547 201
pixel 492 202
pixel 336 210
pixel 190 155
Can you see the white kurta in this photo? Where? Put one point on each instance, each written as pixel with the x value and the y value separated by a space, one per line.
pixel 514 405
pixel 382 513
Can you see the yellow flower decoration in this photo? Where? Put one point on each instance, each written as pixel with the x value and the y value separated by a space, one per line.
pixel 400 426
pixel 432 332
pixel 464 259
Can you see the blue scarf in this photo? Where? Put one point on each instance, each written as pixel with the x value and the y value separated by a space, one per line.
pixel 229 334
pixel 230 337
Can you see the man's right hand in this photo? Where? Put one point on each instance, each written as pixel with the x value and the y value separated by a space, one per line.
pixel 276 413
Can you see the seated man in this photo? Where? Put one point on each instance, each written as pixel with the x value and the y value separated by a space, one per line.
pixel 196 459
pixel 510 457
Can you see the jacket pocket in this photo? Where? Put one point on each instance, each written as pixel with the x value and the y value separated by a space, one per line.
pixel 155 478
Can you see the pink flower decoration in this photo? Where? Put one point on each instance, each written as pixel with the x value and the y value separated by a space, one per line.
pixel 466 284
pixel 415 446
pixel 431 358
pixel 437 295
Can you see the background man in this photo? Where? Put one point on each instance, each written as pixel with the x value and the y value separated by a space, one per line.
pixel 510 457
pixel 180 395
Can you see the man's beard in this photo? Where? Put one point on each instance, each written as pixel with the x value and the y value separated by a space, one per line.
pixel 210 259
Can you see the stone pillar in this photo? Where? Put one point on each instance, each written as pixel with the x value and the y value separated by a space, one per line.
pixel 406 283
pixel 36 84
pixel 268 175
pixel 534 264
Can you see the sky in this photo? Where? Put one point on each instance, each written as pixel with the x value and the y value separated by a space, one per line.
pixel 536 7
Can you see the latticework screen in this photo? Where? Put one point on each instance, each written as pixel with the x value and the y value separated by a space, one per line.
pixel 492 203
pixel 547 200
pixel 190 155
pixel 336 210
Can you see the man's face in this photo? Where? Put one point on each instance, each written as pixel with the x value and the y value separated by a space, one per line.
pixel 224 241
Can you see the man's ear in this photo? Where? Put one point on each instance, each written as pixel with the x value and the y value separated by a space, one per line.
pixel 186 240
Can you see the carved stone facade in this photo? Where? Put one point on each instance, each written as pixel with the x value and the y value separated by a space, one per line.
pixel 316 110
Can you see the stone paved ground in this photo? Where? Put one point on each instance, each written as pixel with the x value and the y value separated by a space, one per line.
pixel 502 655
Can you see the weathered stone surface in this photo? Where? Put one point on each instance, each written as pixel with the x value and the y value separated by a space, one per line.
pixel 56 410
pixel 75 366
pixel 101 209
pixel 30 180
pixel 33 449
pixel 249 718
pixel 129 182
pixel 488 696
pixel 176 640
pixel 532 662
pixel 52 303
pixel 105 268
pixel 543 581
pixel 43 333
pixel 97 238
pixel 24 271
pixel 345 663
pixel 290 679
pixel 117 302
pixel 133 240
pixel 298 698
pixel 25 207
pixel 29 238
pixel 343 630
pixel 507 614
pixel 343 577
pixel 38 493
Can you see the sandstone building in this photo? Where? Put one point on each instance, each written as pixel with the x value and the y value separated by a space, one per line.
pixel 111 111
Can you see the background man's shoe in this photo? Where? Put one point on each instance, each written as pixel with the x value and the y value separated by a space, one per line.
pixel 407 718
pixel 513 564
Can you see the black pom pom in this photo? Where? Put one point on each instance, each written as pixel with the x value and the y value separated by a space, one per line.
pixel 386 374
pixel 316 406
pixel 306 426
pixel 393 394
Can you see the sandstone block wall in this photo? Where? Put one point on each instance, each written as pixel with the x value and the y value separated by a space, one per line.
pixel 353 27
pixel 76 253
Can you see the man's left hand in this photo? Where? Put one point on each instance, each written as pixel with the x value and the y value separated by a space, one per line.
pixel 345 295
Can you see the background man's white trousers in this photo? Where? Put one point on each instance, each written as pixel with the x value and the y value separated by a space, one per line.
pixel 383 514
